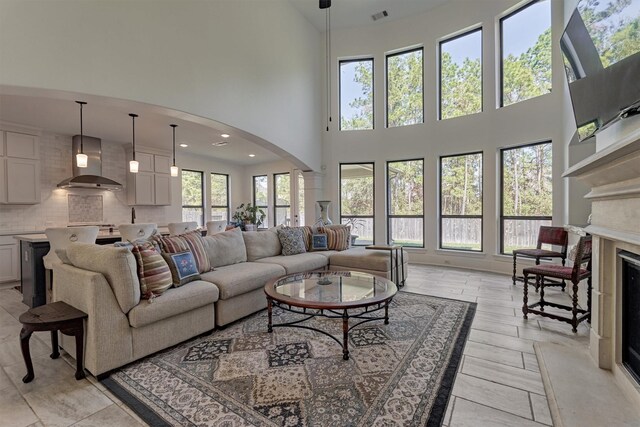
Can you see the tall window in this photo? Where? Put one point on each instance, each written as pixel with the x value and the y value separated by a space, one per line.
pixel 461 202
pixel 260 198
pixel 192 196
pixel 356 94
pixel 282 198
pixel 357 200
pixel 300 199
pixel 219 197
pixel 405 198
pixel 525 44
pixel 404 88
pixel 461 75
pixel 526 194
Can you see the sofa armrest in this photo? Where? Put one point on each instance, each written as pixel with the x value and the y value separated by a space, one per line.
pixel 108 342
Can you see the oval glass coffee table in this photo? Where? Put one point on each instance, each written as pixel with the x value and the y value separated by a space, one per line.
pixel 332 294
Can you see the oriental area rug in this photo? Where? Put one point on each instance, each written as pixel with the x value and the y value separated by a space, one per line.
pixel 398 374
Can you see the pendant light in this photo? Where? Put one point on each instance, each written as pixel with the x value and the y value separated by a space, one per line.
pixel 174 168
pixel 133 164
pixel 81 159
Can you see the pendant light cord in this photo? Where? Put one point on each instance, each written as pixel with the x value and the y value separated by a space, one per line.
pixel 174 143
pixel 328 61
pixel 81 103
pixel 133 127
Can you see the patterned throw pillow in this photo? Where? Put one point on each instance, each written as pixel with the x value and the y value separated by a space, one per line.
pixel 191 241
pixel 183 267
pixel 292 241
pixel 337 237
pixel 319 242
pixel 153 271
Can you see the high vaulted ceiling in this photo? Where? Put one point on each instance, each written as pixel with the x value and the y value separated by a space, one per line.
pixel 355 13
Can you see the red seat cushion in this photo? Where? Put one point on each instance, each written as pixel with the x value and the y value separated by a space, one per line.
pixel 535 253
pixel 556 271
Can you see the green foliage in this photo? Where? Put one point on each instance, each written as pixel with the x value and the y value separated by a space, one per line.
pixel 249 214
pixel 191 188
pixel 526 173
pixel 461 87
pixel 260 196
pixel 283 189
pixel 406 187
pixel 461 185
pixel 404 89
pixel 356 190
pixel 363 119
pixel 219 195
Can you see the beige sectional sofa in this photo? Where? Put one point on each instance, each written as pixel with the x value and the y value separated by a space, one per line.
pixel 121 327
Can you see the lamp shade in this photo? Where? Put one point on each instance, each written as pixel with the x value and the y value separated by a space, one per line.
pixel 82 160
pixel 133 166
pixel 174 170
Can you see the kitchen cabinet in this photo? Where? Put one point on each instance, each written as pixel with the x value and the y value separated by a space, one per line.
pixel 19 168
pixel 151 186
pixel 9 259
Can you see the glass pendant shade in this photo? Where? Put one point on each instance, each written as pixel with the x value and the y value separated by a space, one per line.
pixel 174 170
pixel 133 166
pixel 82 160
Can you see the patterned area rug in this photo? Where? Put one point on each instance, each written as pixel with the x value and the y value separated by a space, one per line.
pixel 397 374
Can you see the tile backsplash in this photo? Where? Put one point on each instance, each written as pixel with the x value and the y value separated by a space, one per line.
pixel 85 208
pixel 54 208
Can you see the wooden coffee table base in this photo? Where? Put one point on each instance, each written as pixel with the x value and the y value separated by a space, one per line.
pixel 54 317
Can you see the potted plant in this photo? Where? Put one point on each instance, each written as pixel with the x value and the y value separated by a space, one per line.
pixel 249 215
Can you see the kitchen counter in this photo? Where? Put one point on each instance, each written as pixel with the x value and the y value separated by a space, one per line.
pixel 39 237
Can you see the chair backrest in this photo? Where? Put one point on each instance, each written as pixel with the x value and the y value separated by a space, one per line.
pixel 176 228
pixel 214 227
pixel 62 237
pixel 556 236
pixel 582 256
pixel 131 232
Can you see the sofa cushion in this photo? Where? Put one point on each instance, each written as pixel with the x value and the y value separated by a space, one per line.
pixel 226 248
pixel 261 244
pixel 192 241
pixel 173 302
pixel 298 263
pixel 117 265
pixel 183 267
pixel 361 258
pixel 337 237
pixel 238 279
pixel 292 241
pixel 153 272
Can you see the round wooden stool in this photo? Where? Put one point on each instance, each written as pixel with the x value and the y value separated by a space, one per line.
pixel 54 317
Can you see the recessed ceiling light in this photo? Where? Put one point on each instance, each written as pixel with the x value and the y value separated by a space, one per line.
pixel 225 135
pixel 183 145
pixel 252 155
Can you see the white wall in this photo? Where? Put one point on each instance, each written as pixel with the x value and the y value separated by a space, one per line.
pixel 534 120
pixel 250 64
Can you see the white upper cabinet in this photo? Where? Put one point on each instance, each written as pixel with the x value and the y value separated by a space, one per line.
pixel 19 168
pixel 146 162
pixel 162 189
pixel 3 181
pixel 162 164
pixel 22 146
pixel 151 186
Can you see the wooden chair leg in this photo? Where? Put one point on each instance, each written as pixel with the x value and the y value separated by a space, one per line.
pixel 589 290
pixel 525 296
pixel 574 311
pixel 564 284
pixel 541 280
pixel 513 277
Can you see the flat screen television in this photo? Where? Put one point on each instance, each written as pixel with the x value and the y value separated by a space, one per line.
pixel 601 51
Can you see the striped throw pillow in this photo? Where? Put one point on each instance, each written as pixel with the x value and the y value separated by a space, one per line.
pixel 153 272
pixel 337 237
pixel 191 241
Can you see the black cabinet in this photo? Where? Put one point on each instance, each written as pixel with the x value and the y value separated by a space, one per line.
pixel 33 283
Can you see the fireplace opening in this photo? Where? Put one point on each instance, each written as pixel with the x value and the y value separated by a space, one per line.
pixel 631 313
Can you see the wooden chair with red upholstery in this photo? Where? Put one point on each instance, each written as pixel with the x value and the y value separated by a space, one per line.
pixel 554 236
pixel 576 274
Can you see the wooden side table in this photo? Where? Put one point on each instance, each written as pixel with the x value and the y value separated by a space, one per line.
pixel 398 251
pixel 54 317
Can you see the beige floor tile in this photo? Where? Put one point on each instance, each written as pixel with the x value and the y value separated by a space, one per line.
pixel 494 395
pixel 494 354
pixel 517 320
pixel 540 408
pixel 5 381
pixel 48 372
pixel 503 374
pixel 490 308
pixel 500 340
pixel 499 328
pixel 470 414
pixel 530 362
pixel 10 353
pixel 449 411
pixel 14 410
pixel 38 424
pixel 113 416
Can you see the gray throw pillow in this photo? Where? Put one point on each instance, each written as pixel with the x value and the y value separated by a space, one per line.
pixel 292 241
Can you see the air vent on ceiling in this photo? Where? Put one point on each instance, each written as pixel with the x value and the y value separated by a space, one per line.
pixel 219 143
pixel 380 15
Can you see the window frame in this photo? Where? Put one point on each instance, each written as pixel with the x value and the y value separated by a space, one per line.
pixel 227 207
pixel 386 84
pixel 390 217
pixel 501 51
pixel 201 206
pixel 373 92
pixel 442 216
pixel 265 208
pixel 275 196
pixel 504 217
pixel 373 217
pixel 452 38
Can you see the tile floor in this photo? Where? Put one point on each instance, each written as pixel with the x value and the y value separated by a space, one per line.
pixel 498 382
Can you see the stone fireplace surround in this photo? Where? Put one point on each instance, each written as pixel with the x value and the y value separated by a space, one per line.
pixel 613 174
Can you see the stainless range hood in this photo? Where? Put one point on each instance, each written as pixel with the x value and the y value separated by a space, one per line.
pixel 91 176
